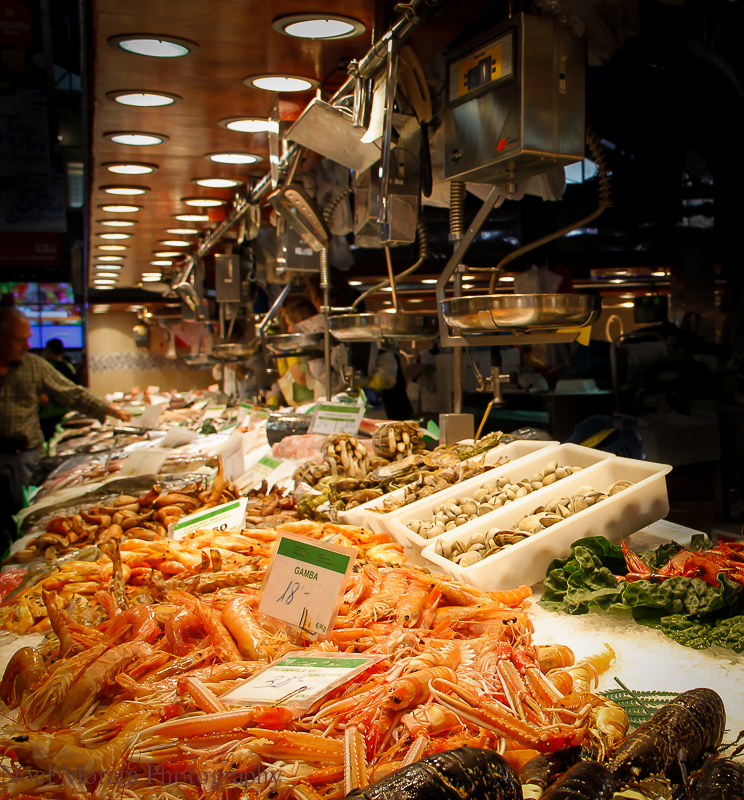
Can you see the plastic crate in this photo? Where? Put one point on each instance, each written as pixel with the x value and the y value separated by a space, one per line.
pixel 613 434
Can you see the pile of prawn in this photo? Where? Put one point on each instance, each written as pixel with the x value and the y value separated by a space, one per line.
pixel 124 698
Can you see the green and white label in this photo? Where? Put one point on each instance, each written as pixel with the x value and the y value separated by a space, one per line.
pixel 305 582
pixel 227 517
pixel 301 680
pixel 337 418
pixel 261 470
pixel 213 412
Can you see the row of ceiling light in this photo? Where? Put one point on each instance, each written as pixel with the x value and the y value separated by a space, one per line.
pixel 305 26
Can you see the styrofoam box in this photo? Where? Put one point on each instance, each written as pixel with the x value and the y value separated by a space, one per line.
pixel 396 522
pixel 525 562
pixel 364 517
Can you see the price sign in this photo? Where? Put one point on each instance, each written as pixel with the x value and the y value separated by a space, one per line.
pixel 337 418
pixel 178 436
pixel 226 517
pixel 149 417
pixel 253 476
pixel 244 410
pixel 305 582
pixel 214 412
pixel 302 679
pixel 143 462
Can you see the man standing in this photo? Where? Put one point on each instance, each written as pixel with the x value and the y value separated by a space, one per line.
pixel 23 378
pixel 51 413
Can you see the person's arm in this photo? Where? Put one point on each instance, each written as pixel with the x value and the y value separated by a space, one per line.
pixel 78 398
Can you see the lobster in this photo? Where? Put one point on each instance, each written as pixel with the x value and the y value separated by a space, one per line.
pixel 690 725
pixel 587 780
pixel 466 772
pixel 720 780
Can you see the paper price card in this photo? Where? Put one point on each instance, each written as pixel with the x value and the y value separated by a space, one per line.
pixel 305 582
pixel 337 418
pixel 301 679
pixel 259 471
pixel 146 461
pixel 214 412
pixel 226 517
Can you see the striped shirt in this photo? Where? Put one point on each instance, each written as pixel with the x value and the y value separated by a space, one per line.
pixel 20 388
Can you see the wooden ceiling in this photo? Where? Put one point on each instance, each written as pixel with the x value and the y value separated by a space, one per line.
pixel 235 39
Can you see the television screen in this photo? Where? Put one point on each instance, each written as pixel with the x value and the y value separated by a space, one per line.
pixel 71 336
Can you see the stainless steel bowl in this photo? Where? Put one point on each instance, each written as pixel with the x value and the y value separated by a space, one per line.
pixel 231 352
pixel 393 327
pixel 293 344
pixel 288 424
pixel 521 312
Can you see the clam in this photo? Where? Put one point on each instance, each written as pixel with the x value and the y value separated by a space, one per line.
pixel 469 558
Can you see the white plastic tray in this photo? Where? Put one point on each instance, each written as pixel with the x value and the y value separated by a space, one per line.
pixel 396 522
pixel 616 517
pixel 364 517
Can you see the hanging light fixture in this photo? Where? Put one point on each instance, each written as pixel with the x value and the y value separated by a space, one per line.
pixel 120 209
pixel 143 99
pixel 204 202
pixel 318 26
pixel 232 157
pixel 217 183
pixel 128 168
pixel 280 82
pixel 153 45
pixel 250 124
pixel 135 138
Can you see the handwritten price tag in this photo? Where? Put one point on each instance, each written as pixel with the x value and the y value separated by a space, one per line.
pixel 300 679
pixel 226 517
pixel 337 418
pixel 305 582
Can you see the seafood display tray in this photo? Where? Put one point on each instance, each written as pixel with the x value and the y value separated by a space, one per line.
pixel 293 344
pixel 616 517
pixel 575 455
pixel 385 326
pixel 364 515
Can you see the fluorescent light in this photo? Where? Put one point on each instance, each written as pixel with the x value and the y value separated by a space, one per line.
pixel 107 274
pixel 104 282
pixel 250 124
pixel 278 82
pixel 161 263
pixel 192 217
pixel 507 278
pixel 234 158
pixel 128 97
pixel 153 45
pixel 110 258
pixel 125 190
pixel 130 169
pixel 203 202
pixel 115 235
pixel 135 138
pixel 152 278
pixel 217 183
pixel 318 26
pixel 174 243
pixel 116 223
pixel 626 305
pixel 111 247
pixel 659 274
pixel 415 300
pixel 184 231
pixel 429 280
pixel 166 254
pixel 104 288
pixel 120 209
pixel 355 283
pixel 105 267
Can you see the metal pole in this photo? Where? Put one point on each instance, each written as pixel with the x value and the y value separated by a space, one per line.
pixel 325 285
pixel 457 357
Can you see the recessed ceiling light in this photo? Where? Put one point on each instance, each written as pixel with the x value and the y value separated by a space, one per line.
pixel 318 26
pixel 104 282
pixel 507 278
pixel 184 231
pixel 114 236
pixel 161 263
pixel 130 169
pixel 192 217
pixel 415 300
pixel 250 124
pixel 131 97
pixel 279 82
pixel 125 191
pixel 152 278
pixel 217 183
pixel 203 202
pixel 659 274
pixel 107 266
pixel 429 280
pixel 116 223
pixel 111 246
pixel 355 283
pixel 107 274
pixel 110 258
pixel 167 254
pixel 104 288
pixel 174 243
pixel 147 44
pixel 234 158
pixel 135 138
pixel 120 209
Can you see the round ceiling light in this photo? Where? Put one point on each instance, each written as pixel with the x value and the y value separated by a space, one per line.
pixel 107 266
pixel 135 138
pixel 167 254
pixel 112 247
pixel 125 191
pixel 203 202
pixel 234 158
pixel 278 82
pixel 104 281
pixel 116 223
pixel 161 263
pixel 114 236
pixel 191 217
pixel 152 278
pixel 183 231
pixel 130 169
pixel 217 183
pixel 120 209
pixel 107 275
pixel 174 243
pixel 109 258
pixel 143 99
pixel 153 45
pixel 318 26
pixel 250 124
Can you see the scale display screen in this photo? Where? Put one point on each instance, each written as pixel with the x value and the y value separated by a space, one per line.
pixel 487 65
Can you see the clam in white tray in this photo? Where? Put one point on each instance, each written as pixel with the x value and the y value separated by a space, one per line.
pixel 396 523
pixel 365 516
pixel 616 517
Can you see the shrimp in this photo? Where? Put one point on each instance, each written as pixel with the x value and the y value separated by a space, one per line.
pixel 58 621
pixel 393 586
pixel 249 635
pixel 178 626
pixel 25 672
pixel 140 619
pixel 411 604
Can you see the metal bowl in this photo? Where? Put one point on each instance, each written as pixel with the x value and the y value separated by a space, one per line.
pixel 289 424
pixel 231 352
pixel 198 360
pixel 521 312
pixel 293 344
pixel 393 327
